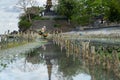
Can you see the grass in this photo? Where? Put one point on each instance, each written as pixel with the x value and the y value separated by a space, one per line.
pixel 40 18
pixel 15 44
pixel 57 26
pixel 10 45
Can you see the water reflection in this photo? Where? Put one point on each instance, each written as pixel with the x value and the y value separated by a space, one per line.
pixel 49 67
pixel 68 68
pixel 50 63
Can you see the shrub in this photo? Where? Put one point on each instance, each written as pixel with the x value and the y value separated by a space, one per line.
pixel 24 25
pixel 57 25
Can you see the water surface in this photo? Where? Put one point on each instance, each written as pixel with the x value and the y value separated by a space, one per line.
pixel 49 62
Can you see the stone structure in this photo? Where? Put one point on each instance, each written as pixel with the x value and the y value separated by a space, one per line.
pixel 49 68
pixel 48 5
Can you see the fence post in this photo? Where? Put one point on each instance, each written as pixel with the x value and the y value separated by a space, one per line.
pixel 0 42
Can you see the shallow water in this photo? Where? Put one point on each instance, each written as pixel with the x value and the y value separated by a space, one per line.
pixel 50 63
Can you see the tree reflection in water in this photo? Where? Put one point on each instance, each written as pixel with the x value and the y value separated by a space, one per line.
pixel 36 57
pixel 68 68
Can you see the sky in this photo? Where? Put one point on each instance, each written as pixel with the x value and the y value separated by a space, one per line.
pixel 9 15
pixel 21 70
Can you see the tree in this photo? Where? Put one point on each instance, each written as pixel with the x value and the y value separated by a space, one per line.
pixel 84 12
pixel 65 7
pixel 114 12
pixel 100 6
pixel 24 4
pixel 69 67
pixel 30 11
pixel 24 25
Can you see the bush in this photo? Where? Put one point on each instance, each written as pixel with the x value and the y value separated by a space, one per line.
pixel 40 18
pixel 23 17
pixel 37 18
pixel 60 18
pixel 57 25
pixel 24 25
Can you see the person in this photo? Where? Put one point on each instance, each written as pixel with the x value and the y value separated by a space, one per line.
pixel 43 32
pixel 43 29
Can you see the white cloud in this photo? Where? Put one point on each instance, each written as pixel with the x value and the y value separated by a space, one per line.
pixel 8 16
pixel 41 2
pixel 82 77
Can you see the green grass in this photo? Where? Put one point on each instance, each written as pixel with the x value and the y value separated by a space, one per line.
pixel 57 26
pixel 40 18
pixel 15 44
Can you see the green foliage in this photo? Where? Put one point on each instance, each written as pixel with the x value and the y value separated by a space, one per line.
pixel 100 7
pixel 24 25
pixel 60 18
pixel 23 17
pixel 32 16
pixel 26 19
pixel 37 18
pixel 82 20
pixel 44 18
pixel 68 66
pixel 65 7
pixel 114 12
pixel 57 25
pixel 82 12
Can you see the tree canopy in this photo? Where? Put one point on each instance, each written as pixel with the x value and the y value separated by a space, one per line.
pixel 31 11
pixel 83 11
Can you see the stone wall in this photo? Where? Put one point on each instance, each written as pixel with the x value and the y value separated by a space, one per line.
pixel 38 24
